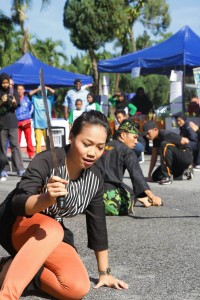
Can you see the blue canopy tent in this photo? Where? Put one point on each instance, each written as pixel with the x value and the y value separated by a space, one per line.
pixel 26 71
pixel 179 52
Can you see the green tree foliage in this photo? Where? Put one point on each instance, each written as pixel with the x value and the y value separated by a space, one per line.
pixel 93 23
pixel 13 43
pixel 156 86
pixel 6 30
pixel 82 63
pixel 155 16
pixel 49 51
pixel 143 41
pixel 125 35
pixel 19 9
pixel 13 51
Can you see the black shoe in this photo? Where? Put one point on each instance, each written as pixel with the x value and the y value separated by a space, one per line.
pixel 166 180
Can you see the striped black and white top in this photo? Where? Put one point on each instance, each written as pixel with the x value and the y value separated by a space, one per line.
pixel 80 194
pixel 85 194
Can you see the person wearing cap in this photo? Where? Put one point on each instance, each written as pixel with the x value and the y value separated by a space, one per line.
pixel 72 95
pixel 119 156
pixel 175 154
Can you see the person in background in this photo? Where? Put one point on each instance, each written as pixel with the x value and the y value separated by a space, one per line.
pixel 196 128
pixel 39 114
pixel 187 132
pixel 119 156
pixel 92 105
pixel 142 102
pixel 24 114
pixel 31 222
pixel 72 95
pixel 139 147
pixel 119 101
pixel 120 116
pixel 193 107
pixel 3 158
pixel 9 101
pixel 175 154
pixel 75 113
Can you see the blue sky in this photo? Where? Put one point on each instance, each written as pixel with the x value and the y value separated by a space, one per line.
pixel 49 22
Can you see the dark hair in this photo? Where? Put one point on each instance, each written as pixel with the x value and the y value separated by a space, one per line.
pixel 20 85
pixel 77 80
pixel 92 117
pixel 4 76
pixel 140 89
pixel 179 115
pixel 120 111
pixel 123 95
pixel 78 100
pixel 92 95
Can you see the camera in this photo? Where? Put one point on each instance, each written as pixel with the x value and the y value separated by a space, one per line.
pixel 10 99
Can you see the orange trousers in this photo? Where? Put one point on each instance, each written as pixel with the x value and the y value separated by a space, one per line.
pixel 38 241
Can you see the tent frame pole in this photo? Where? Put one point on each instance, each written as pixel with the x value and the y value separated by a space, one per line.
pixel 183 89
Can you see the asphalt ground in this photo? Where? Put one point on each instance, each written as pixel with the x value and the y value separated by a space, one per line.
pixel 155 250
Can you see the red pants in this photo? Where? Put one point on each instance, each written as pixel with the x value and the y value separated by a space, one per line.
pixel 27 133
pixel 38 241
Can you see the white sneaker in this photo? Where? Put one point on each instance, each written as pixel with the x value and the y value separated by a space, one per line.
pixel 188 174
pixel 196 168
pixel 3 178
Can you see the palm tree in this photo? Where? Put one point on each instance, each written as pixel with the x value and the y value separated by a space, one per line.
pixel 6 29
pixel 48 52
pixel 19 9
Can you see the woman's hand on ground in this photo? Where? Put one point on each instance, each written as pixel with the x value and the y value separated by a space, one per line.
pixel 156 201
pixel 110 281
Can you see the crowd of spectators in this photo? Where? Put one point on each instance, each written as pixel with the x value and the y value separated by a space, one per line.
pixel 28 113
pixel 91 163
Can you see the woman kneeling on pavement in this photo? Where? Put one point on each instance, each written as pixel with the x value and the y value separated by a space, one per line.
pixel 42 250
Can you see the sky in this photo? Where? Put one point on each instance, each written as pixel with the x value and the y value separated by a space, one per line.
pixel 48 23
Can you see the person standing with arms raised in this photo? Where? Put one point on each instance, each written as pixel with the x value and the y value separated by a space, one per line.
pixel 39 115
